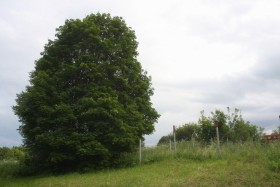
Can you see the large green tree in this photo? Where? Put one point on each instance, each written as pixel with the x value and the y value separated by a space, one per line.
pixel 89 98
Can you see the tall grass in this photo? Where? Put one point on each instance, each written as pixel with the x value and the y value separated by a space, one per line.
pixel 273 157
pixel 266 153
pixel 195 164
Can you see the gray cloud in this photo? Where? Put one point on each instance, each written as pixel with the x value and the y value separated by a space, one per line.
pixel 201 55
pixel 8 134
pixel 268 68
pixel 255 92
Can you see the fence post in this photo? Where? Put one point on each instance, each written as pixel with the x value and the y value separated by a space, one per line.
pixel 140 154
pixel 218 142
pixel 192 141
pixel 174 137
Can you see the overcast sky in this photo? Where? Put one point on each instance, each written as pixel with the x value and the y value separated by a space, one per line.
pixel 202 55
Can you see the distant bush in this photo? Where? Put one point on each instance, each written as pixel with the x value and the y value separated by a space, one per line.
pixel 14 153
pixel 9 168
pixel 164 139
pixel 11 161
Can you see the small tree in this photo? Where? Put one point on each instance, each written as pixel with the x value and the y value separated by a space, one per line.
pixel 187 132
pixel 164 139
pixel 89 98
pixel 241 130
pixel 207 130
pixel 219 118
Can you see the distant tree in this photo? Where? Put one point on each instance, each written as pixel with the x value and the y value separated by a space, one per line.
pixel 187 132
pixel 219 118
pixel 5 153
pixel 232 127
pixel 165 139
pixel 14 153
pixel 89 98
pixel 207 130
pixel 241 130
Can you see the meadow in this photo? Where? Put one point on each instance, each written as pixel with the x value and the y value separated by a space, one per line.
pixel 195 164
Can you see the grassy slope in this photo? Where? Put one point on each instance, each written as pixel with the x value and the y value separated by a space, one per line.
pixel 241 165
pixel 175 172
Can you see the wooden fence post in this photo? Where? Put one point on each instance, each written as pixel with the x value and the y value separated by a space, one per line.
pixel 218 142
pixel 174 137
pixel 140 154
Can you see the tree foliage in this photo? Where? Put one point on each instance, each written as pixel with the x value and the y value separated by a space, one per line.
pixel 232 127
pixel 165 139
pixel 14 153
pixel 241 130
pixel 187 132
pixel 89 98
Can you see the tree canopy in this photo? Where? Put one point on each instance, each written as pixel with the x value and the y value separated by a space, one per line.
pixel 89 98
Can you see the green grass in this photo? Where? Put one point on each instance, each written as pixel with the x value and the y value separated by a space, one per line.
pixel 8 168
pixel 194 165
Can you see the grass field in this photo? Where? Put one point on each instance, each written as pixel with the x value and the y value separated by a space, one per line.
pixel 250 164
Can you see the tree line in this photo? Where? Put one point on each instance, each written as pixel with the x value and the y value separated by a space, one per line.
pixel 232 127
